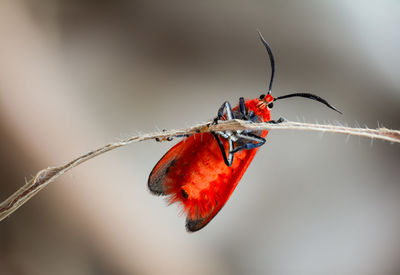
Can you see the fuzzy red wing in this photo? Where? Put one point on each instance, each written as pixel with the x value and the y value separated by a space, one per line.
pixel 194 174
pixel 158 176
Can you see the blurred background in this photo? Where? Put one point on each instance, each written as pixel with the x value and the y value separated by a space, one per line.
pixel 75 75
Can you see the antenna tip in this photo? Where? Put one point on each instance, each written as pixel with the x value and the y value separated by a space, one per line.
pixel 334 108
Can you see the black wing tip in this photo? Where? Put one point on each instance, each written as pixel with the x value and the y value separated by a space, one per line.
pixel 157 193
pixel 155 187
pixel 195 225
pixel 155 183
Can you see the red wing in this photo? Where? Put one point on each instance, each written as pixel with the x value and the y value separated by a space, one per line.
pixel 160 171
pixel 193 173
pixel 212 199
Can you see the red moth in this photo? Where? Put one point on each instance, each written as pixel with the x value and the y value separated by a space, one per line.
pixel 202 171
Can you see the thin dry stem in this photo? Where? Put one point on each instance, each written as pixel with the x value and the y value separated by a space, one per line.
pixel 48 175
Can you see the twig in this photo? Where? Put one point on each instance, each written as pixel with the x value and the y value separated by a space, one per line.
pixel 48 175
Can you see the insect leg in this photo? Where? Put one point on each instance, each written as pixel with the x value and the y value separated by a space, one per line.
pixel 249 136
pixel 227 159
pixel 165 138
pixel 229 114
pixel 280 120
pixel 179 136
pixel 231 148
pixel 242 107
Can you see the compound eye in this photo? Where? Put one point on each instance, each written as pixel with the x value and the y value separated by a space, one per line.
pixel 270 105
pixel 262 96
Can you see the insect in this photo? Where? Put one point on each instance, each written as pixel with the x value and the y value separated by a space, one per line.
pixel 202 171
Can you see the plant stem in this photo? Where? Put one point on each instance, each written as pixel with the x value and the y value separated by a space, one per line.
pixel 48 175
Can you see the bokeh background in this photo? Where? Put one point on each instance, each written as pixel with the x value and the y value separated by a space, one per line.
pixel 75 75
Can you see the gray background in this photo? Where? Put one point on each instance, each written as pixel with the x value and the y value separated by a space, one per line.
pixel 75 75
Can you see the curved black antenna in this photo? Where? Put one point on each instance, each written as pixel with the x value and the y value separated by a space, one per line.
pixel 271 58
pixel 310 96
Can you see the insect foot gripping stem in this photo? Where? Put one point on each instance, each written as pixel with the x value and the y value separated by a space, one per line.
pixel 280 120
pixel 237 140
